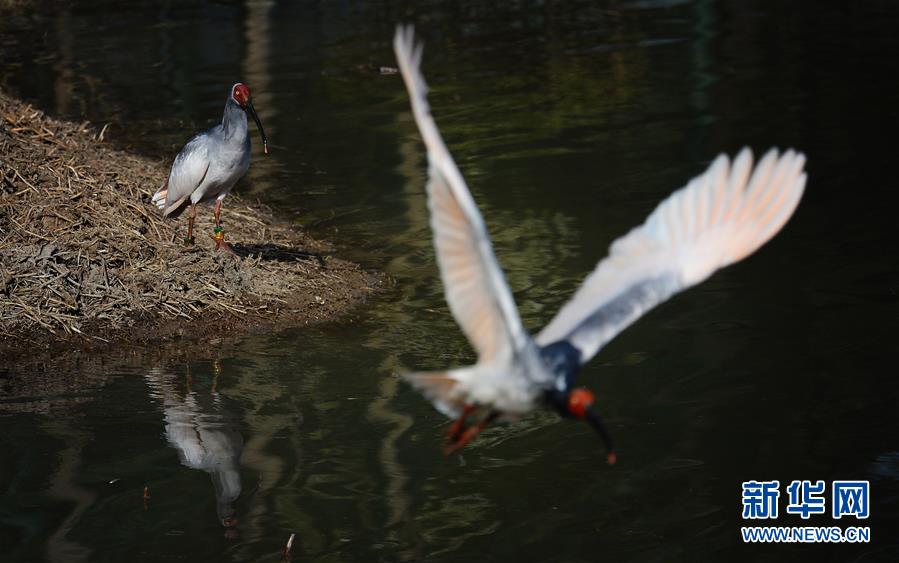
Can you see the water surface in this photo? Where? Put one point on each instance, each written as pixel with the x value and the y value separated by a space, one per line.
pixel 570 120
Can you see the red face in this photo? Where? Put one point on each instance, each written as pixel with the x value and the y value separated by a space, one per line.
pixel 579 400
pixel 241 94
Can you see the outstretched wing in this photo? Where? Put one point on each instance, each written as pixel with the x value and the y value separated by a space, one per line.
pixel 475 287
pixel 188 172
pixel 719 218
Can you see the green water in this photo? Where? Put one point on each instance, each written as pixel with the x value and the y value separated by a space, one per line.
pixel 570 120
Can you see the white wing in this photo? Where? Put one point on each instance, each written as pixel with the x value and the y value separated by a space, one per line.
pixel 719 218
pixel 476 290
pixel 188 172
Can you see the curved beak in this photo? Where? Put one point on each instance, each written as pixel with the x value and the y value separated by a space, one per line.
pixel 252 111
pixel 595 421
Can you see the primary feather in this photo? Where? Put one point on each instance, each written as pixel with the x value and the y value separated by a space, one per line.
pixel 719 218
pixel 188 172
pixel 475 287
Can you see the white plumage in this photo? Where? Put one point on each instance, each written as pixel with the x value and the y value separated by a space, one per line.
pixel 720 217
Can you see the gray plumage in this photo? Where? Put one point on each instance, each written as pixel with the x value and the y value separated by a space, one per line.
pixel 211 162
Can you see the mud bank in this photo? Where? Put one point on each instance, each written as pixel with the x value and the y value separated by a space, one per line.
pixel 87 262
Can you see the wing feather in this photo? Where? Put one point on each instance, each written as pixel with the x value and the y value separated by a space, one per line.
pixel 473 282
pixel 719 218
pixel 187 174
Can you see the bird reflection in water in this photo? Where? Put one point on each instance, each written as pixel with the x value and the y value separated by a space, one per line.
pixel 204 434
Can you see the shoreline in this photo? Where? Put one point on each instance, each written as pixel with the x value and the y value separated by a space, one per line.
pixel 87 263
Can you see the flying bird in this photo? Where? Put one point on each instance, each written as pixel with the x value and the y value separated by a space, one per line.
pixel 210 164
pixel 718 218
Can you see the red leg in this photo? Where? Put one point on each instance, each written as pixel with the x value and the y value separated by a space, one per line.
pixel 192 214
pixel 470 433
pixel 458 425
pixel 219 236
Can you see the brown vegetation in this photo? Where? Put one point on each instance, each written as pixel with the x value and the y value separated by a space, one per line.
pixel 86 258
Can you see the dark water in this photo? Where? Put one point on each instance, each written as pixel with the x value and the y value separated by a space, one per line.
pixel 570 120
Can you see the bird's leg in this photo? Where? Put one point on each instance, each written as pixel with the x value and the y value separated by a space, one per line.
pixel 218 213
pixel 216 370
pixel 219 236
pixel 470 433
pixel 192 214
pixel 458 425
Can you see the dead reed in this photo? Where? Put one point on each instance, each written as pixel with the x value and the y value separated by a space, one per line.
pixel 84 253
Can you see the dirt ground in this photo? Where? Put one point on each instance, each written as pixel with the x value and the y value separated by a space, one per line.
pixel 87 262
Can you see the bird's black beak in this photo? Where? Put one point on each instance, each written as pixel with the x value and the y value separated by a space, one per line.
pixel 252 111
pixel 579 404
pixel 595 421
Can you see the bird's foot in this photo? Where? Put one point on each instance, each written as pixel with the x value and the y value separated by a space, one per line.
pixel 219 238
pixel 458 426
pixel 461 436
pixel 462 439
pixel 189 241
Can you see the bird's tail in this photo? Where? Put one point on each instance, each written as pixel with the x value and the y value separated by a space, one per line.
pixel 440 388
pixel 160 196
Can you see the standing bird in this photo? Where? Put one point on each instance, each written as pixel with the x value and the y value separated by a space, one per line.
pixel 719 218
pixel 210 164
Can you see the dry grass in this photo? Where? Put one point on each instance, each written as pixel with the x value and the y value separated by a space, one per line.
pixel 84 252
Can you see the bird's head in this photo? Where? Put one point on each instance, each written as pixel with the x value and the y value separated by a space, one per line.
pixel 578 403
pixel 240 93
